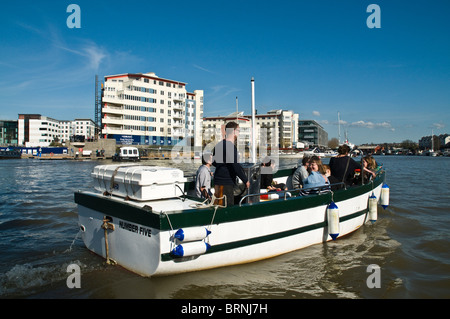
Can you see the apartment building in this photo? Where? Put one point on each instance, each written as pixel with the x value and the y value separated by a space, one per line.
pixel 284 125
pixel 439 141
pixel 37 130
pixel 77 127
pixel 214 129
pixel 277 128
pixel 146 109
pixel 313 133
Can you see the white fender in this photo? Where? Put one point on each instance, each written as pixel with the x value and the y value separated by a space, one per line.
pixel 384 196
pixel 191 234
pixel 373 208
pixel 333 220
pixel 191 249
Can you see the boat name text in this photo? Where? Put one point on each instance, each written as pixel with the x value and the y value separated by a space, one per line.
pixel 144 231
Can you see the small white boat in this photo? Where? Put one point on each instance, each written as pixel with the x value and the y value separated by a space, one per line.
pixel 142 219
pixel 314 152
pixel 330 153
pixel 298 155
pixel 127 154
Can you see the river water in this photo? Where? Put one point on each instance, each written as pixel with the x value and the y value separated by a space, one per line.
pixel 410 242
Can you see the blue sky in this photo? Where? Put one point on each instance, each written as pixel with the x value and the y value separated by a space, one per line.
pixel 317 58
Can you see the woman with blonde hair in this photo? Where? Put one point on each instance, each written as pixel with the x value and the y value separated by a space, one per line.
pixel 369 167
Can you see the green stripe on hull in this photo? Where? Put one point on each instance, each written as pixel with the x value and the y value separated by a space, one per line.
pixel 266 238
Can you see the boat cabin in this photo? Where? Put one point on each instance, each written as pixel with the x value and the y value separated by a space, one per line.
pixel 127 153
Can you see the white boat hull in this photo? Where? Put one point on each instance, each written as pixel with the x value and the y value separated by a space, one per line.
pixel 145 248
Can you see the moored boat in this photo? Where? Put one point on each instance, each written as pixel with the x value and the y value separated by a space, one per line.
pixel 9 154
pixel 314 152
pixel 127 154
pixel 150 225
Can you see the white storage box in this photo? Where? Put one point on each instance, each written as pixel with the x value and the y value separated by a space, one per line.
pixel 139 182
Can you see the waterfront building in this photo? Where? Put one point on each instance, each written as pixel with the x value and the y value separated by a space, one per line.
pixel 78 128
pixel 214 129
pixel 65 131
pixel 439 140
pixel 285 125
pixel 146 109
pixel 279 127
pixel 36 130
pixel 313 133
pixel 8 132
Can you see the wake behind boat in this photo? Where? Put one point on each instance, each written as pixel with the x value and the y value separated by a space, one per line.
pixel 143 219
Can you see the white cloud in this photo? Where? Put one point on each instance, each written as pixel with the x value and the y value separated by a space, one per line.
pixel 371 125
pixel 438 126
pixel 316 113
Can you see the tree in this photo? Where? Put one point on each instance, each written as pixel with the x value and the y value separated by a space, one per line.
pixel 410 145
pixel 55 142
pixel 333 143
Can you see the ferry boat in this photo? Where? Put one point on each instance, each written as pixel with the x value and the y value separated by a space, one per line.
pixel 127 154
pixel 144 219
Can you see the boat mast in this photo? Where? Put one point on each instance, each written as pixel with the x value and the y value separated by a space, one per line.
pixel 237 114
pixel 432 141
pixel 253 123
pixel 339 129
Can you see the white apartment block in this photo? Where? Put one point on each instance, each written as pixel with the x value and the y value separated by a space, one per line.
pixel 277 128
pixel 77 127
pixel 35 130
pixel 146 109
pixel 214 130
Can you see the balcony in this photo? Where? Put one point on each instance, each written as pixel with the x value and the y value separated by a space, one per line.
pixel 178 98
pixel 178 106
pixel 112 130
pixel 112 120
pixel 177 123
pixel 179 132
pixel 111 99
pixel 178 115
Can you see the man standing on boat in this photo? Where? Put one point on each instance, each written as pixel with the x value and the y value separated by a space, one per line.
pixel 225 159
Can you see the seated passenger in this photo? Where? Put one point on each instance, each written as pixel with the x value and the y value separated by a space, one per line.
pixel 343 166
pixel 300 173
pixel 203 178
pixel 369 166
pixel 316 177
pixel 267 176
pixel 333 180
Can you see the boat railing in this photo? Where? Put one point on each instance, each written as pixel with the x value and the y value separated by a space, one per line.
pixel 314 190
